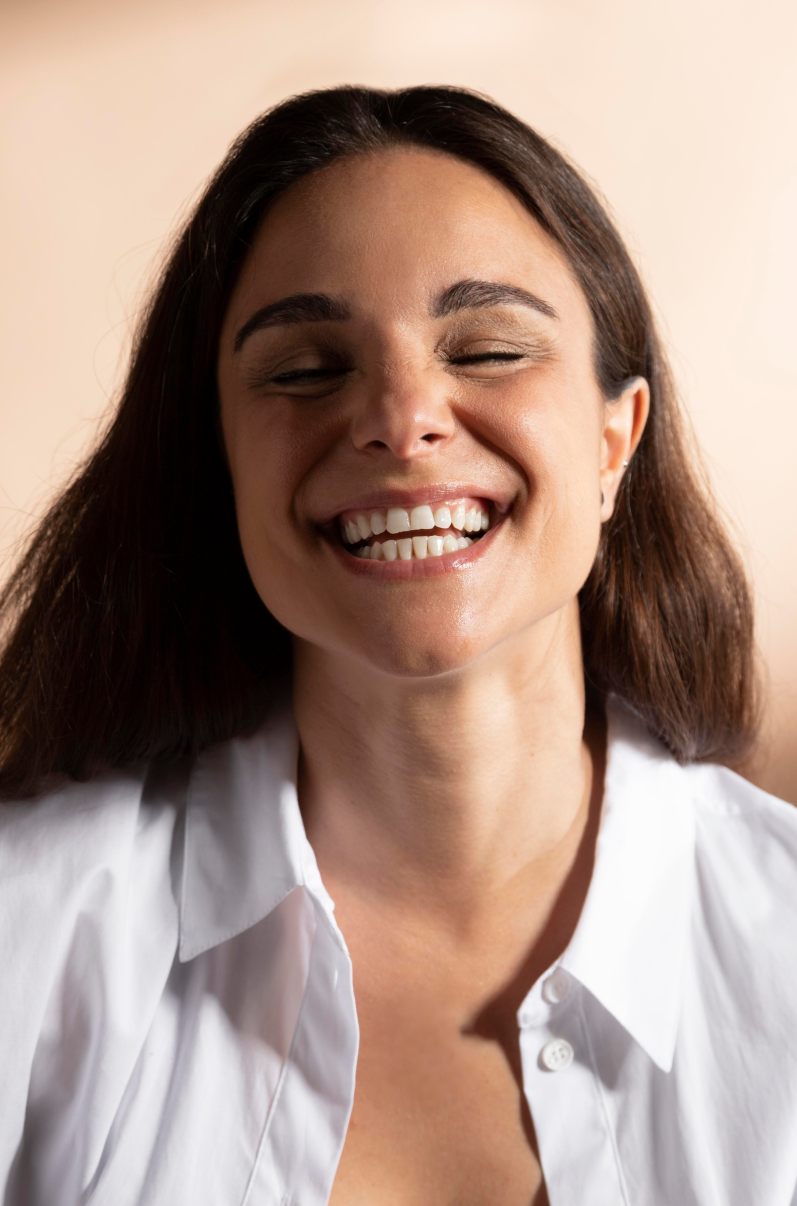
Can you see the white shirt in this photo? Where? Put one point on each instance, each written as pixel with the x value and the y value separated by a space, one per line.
pixel 178 1026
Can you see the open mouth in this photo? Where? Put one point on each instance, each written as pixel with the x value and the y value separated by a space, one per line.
pixel 416 533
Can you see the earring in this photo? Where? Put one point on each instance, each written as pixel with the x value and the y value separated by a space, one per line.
pixel 625 464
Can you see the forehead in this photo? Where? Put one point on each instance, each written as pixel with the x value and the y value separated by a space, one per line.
pixel 390 229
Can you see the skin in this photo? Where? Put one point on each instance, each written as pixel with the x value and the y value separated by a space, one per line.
pixel 449 779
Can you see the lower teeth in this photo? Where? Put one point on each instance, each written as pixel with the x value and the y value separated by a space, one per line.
pixel 415 548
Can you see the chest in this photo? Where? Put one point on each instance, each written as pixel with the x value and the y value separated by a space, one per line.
pixel 439 1109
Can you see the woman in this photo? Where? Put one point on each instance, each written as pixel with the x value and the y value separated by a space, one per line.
pixel 390 585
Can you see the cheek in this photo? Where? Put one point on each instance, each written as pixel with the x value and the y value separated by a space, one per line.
pixel 573 513
pixel 270 454
pixel 277 572
pixel 552 431
pixel 262 472
pixel 556 439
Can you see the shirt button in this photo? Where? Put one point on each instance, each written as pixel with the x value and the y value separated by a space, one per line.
pixel 556 987
pixel 556 1055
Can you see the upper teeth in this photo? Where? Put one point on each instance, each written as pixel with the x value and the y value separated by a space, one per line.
pixel 397 519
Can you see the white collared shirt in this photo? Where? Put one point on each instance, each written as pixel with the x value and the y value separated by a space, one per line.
pixel 178 1025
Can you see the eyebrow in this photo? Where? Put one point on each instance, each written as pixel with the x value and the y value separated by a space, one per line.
pixel 320 307
pixel 474 294
pixel 299 307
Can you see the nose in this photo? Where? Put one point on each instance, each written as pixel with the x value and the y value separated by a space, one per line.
pixel 405 414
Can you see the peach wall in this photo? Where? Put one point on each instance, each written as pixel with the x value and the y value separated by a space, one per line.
pixel 112 113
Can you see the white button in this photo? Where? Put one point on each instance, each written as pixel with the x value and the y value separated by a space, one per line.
pixel 556 1055
pixel 556 987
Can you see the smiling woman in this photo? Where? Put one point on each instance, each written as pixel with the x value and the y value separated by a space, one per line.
pixel 390 584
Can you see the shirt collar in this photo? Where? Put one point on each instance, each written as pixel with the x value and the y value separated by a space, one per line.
pixel 246 849
pixel 245 846
pixel 630 944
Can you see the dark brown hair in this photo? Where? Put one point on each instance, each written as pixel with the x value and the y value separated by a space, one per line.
pixel 133 629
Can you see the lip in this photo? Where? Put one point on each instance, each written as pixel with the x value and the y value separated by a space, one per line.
pixel 383 499
pixel 430 567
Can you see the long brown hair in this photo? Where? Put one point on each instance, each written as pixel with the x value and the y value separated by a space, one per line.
pixel 133 629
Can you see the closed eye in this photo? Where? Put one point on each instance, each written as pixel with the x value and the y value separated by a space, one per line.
pixel 300 376
pixel 486 358
pixel 315 381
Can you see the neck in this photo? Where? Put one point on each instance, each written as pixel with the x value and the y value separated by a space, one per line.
pixel 447 790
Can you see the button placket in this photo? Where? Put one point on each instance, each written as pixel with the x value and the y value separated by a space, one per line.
pixel 576 1150
pixel 544 1000
pixel 558 1052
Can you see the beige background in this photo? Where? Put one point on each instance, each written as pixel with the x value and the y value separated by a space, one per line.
pixel 112 113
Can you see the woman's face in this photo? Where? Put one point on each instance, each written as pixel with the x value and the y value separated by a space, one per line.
pixel 417 441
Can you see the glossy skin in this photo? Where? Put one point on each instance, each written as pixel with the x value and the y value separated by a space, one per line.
pixel 458 877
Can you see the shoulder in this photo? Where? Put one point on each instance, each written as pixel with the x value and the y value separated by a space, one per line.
pixel 78 865
pixel 745 841
pixel 71 848
pixel 727 853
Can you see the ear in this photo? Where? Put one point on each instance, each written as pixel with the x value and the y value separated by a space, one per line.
pixel 624 421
